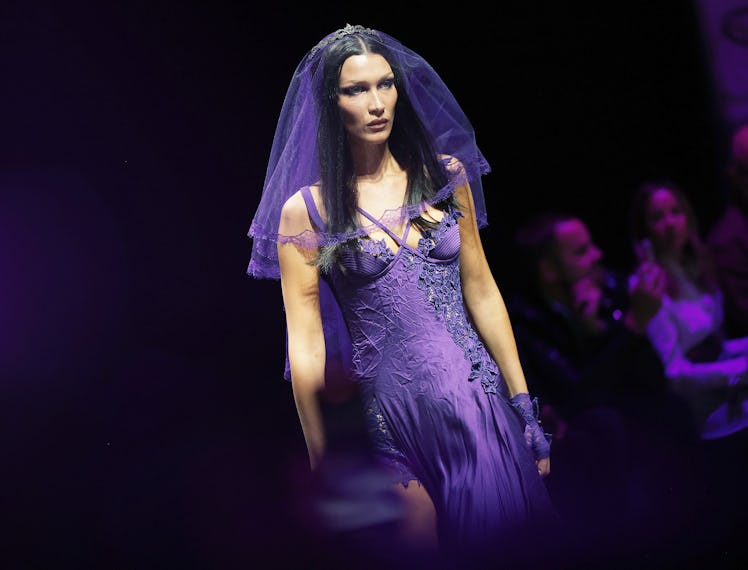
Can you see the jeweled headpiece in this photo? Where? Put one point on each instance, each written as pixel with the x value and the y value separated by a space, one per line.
pixel 337 34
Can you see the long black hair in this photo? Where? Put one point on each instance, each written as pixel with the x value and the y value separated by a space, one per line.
pixel 409 142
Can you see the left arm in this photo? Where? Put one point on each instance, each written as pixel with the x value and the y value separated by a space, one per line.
pixel 488 311
pixel 483 298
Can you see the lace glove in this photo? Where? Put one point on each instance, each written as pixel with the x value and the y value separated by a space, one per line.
pixel 539 442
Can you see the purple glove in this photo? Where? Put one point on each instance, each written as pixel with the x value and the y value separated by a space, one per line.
pixel 539 442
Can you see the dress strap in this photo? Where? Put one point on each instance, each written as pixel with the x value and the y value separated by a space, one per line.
pixel 311 207
pixel 398 240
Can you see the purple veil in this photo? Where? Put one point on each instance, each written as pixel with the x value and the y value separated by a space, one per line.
pixel 293 161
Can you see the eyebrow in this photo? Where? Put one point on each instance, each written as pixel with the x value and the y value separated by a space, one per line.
pixel 351 82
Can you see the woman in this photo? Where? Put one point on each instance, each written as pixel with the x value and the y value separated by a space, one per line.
pixel 374 235
pixel 700 362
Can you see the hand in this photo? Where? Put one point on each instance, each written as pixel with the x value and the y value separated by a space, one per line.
pixel 586 295
pixel 644 250
pixel 736 371
pixel 535 437
pixel 646 288
pixel 544 466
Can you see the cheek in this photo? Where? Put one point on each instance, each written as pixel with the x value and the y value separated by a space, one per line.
pixel 682 224
pixel 574 269
pixel 347 114
pixel 350 112
pixel 654 229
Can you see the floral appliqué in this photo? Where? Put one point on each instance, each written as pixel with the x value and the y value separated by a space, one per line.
pixel 440 283
pixel 376 248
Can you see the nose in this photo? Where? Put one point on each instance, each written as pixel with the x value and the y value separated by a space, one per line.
pixel 597 254
pixel 376 106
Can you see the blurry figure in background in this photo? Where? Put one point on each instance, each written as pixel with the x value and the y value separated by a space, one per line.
pixel 620 433
pixel 728 240
pixel 701 363
pixel 709 370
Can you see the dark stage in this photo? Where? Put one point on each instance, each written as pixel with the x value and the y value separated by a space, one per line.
pixel 145 421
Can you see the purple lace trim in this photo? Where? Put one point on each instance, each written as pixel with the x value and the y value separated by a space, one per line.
pixel 264 263
pixel 537 439
pixel 384 445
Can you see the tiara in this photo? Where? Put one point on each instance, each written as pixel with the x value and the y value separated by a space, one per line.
pixel 338 34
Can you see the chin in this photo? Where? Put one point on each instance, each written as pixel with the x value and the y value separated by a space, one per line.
pixel 376 138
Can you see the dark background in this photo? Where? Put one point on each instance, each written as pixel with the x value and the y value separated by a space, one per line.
pixel 144 418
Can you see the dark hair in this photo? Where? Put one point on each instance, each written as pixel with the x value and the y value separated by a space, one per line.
pixel 697 263
pixel 535 239
pixel 409 143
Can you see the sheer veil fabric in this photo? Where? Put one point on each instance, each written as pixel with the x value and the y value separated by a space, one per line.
pixel 293 161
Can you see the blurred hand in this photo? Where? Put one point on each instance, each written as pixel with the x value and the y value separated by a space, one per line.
pixel 736 370
pixel 585 296
pixel 646 288
pixel 544 466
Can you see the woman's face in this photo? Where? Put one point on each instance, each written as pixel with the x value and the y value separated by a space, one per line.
pixel 667 222
pixel 367 97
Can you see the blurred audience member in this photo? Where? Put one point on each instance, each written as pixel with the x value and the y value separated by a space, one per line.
pixel 701 363
pixel 618 429
pixel 728 240
pixel 709 370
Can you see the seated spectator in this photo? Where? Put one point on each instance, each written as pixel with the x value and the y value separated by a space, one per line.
pixel 728 241
pixel 619 432
pixel 701 363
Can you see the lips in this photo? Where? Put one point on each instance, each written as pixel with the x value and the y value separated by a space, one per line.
pixel 377 123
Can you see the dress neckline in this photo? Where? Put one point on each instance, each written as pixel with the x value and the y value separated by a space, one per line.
pixel 401 242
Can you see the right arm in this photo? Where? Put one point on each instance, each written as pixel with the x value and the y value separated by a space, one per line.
pixel 687 375
pixel 306 344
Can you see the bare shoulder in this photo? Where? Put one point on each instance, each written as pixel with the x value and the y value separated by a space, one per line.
pixel 294 218
pixel 294 208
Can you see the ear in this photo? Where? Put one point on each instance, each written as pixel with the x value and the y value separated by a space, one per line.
pixel 547 270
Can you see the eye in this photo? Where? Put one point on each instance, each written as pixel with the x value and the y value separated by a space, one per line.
pixel 387 83
pixel 350 91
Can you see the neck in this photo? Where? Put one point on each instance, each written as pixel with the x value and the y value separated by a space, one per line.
pixel 372 162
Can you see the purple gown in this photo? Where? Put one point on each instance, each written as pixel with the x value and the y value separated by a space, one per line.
pixel 437 406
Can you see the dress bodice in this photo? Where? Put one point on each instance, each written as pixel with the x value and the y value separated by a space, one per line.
pixel 371 258
pixel 436 405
